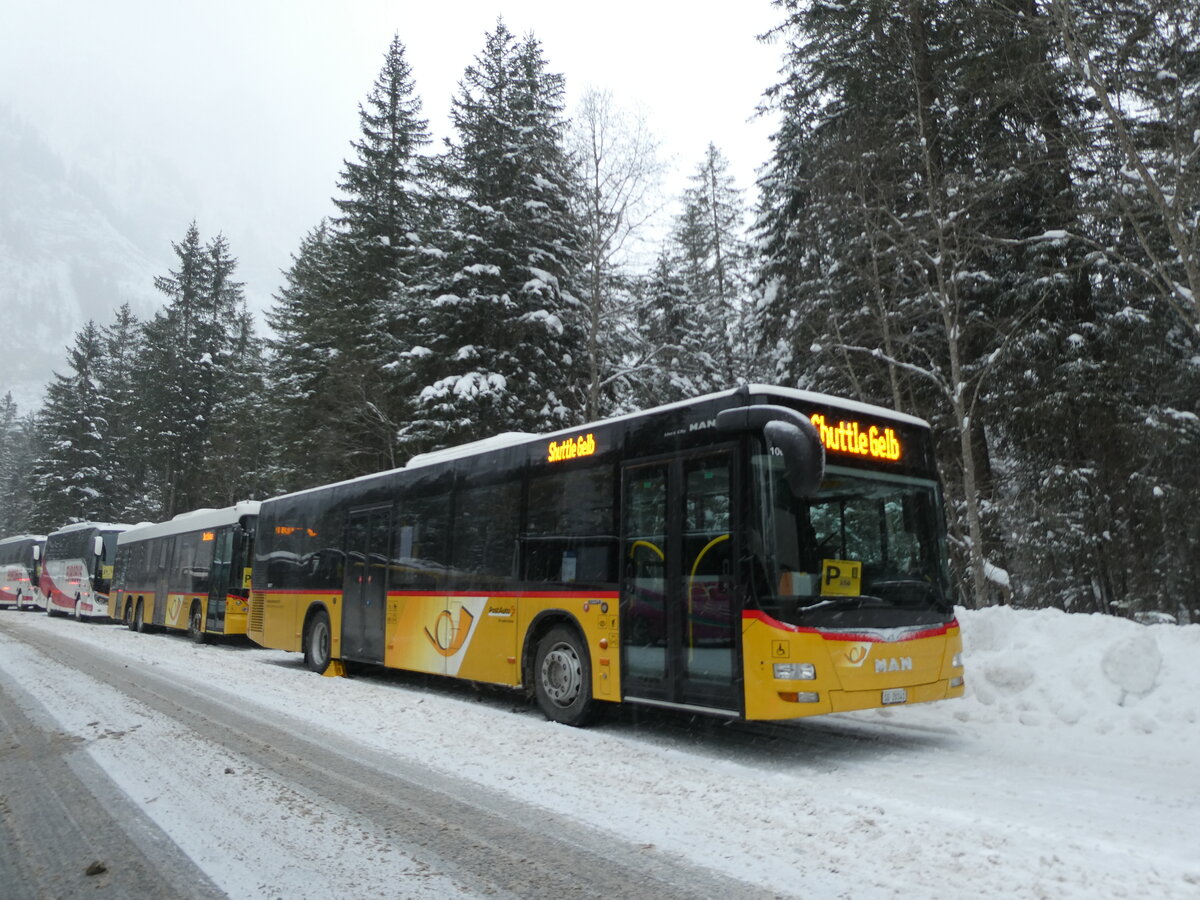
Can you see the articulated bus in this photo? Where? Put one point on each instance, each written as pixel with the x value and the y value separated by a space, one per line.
pixel 761 553
pixel 77 566
pixel 20 564
pixel 189 574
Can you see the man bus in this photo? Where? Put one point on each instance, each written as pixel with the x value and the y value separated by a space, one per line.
pixel 20 562
pixel 77 567
pixel 189 574
pixel 762 553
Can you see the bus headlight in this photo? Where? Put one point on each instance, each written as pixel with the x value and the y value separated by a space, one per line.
pixel 956 661
pixel 795 671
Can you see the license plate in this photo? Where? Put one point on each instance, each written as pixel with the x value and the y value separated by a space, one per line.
pixel 895 695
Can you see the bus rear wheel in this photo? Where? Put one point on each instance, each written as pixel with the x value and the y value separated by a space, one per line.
pixel 139 623
pixel 196 625
pixel 562 677
pixel 317 641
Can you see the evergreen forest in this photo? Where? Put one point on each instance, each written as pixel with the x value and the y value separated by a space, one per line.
pixel 981 212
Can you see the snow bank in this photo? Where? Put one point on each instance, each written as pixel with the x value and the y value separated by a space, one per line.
pixel 1047 669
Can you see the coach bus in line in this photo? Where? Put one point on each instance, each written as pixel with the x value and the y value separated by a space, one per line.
pixel 20 562
pixel 77 567
pixel 763 553
pixel 189 574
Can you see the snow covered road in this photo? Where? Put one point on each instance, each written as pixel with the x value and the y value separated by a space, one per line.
pixel 1069 770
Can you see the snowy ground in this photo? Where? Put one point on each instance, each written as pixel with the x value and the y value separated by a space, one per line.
pixel 1069 770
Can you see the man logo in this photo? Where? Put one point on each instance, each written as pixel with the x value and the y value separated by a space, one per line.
pixel 894 664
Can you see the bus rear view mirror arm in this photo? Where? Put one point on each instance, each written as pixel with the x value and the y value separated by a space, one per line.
pixel 789 435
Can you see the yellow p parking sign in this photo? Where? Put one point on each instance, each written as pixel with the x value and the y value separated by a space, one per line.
pixel 841 578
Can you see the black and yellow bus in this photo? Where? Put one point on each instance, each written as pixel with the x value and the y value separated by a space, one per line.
pixel 189 574
pixel 763 553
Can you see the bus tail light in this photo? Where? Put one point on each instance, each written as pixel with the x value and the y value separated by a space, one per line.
pixel 795 671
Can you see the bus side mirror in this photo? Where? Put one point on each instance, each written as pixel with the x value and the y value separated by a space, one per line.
pixel 37 553
pixel 790 436
pixel 803 455
pixel 98 545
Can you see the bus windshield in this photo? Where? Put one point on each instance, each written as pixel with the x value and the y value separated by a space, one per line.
pixel 869 551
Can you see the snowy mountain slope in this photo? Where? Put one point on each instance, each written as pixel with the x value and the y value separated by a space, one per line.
pixel 62 261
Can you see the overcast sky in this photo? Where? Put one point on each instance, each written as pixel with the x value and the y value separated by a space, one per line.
pixel 239 112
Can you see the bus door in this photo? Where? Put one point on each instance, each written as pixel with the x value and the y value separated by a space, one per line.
pixel 220 580
pixel 157 613
pixel 680 621
pixel 364 597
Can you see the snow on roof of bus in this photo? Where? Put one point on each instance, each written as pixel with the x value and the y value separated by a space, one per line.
pixel 869 409
pixel 515 438
pixel 196 520
pixel 495 442
pixel 102 526
pixel 23 537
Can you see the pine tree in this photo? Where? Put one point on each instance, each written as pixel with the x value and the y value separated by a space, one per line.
pixel 18 450
pixel 1138 66
pixel 124 465
pixel 68 476
pixel 343 319
pixel 500 341
pixel 188 367
pixel 710 235
pixel 903 217
pixel 241 463
pixel 944 241
pixel 304 368
pixel 9 475
pixel 675 338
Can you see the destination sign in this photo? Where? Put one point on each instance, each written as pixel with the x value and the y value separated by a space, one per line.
pixel 571 448
pixel 858 439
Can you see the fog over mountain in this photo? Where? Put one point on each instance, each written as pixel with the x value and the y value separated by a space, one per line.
pixel 65 257
pixel 135 119
pixel 79 239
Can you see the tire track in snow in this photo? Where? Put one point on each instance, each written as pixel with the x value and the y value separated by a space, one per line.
pixel 485 843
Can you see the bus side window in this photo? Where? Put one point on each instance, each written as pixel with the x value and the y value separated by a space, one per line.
pixel 485 533
pixel 568 535
pixel 420 540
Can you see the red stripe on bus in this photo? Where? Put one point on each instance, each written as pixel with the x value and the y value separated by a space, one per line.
pixel 936 631
pixel 579 595
pixel 582 595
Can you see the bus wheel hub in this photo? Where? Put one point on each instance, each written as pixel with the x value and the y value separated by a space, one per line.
pixel 562 675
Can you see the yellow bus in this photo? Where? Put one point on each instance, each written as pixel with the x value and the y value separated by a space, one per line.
pixel 762 553
pixel 189 574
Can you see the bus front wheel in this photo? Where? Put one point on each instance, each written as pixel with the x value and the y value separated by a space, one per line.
pixel 139 622
pixel 316 642
pixel 562 677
